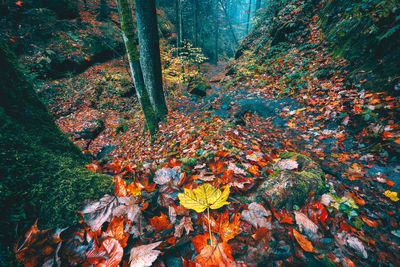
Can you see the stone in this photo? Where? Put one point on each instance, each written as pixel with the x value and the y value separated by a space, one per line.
pixel 291 187
pixel 198 86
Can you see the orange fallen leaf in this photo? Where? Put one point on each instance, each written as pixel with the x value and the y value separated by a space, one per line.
pixel 216 255
pixel 369 222
pixel 287 219
pixel 200 241
pixel 390 183
pixel 303 242
pixel 160 223
pixel 253 169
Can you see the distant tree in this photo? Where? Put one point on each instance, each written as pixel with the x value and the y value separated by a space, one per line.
pixel 216 33
pixel 131 42
pixel 104 11
pixel 248 17
pixel 258 5
pixel 150 60
pixel 196 22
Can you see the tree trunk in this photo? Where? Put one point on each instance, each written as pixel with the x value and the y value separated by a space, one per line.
pixel 248 18
pixel 229 23
pixel 196 22
pixel 258 5
pixel 178 23
pixel 150 59
pixel 216 34
pixel 131 42
pixel 43 174
pixel 103 15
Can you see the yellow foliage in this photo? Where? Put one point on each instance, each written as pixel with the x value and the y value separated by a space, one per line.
pixel 392 195
pixel 203 197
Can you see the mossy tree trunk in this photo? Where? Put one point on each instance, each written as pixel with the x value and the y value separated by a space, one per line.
pixel 43 174
pixel 131 42
pixel 150 60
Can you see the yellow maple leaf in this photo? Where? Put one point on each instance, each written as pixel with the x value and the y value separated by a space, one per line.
pixel 203 197
pixel 392 195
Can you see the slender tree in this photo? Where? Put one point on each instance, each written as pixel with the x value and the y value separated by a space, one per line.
pixel 178 24
pixel 258 5
pixel 229 22
pixel 196 22
pixel 131 42
pixel 216 32
pixel 248 18
pixel 149 48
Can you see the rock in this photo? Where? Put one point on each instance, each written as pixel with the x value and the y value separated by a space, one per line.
pixel 91 132
pixel 198 86
pixel 291 187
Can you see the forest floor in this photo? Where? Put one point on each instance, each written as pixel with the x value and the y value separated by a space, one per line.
pixel 234 137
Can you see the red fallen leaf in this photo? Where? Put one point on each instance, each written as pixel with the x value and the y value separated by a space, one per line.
pixel 222 153
pixel 303 242
pixel 114 166
pixel 87 58
pixel 357 109
pixel 347 227
pixel 390 183
pixel 93 167
pixel 12 40
pixel 38 246
pixel 174 162
pixel 160 223
pixel 116 230
pixel 227 176
pixel 200 241
pixel 320 212
pixel 263 235
pixel 19 3
pixel 287 219
pixel 216 255
pixel 370 223
pixel 120 186
pixel 253 169
pixel 109 254
pixel 228 230
pixel 217 167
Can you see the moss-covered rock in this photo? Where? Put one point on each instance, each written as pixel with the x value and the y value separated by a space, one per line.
pixel 42 173
pixel 291 187
pixel 198 86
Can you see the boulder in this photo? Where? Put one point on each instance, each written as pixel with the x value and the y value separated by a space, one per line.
pixel 294 177
pixel 198 86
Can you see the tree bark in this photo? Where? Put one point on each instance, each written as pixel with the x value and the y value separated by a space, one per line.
pixel 258 5
pixel 149 48
pixel 131 42
pixel 216 33
pixel 196 22
pixel 248 18
pixel 229 23
pixel 178 23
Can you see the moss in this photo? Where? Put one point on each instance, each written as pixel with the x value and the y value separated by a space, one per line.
pixel 288 188
pixel 43 173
